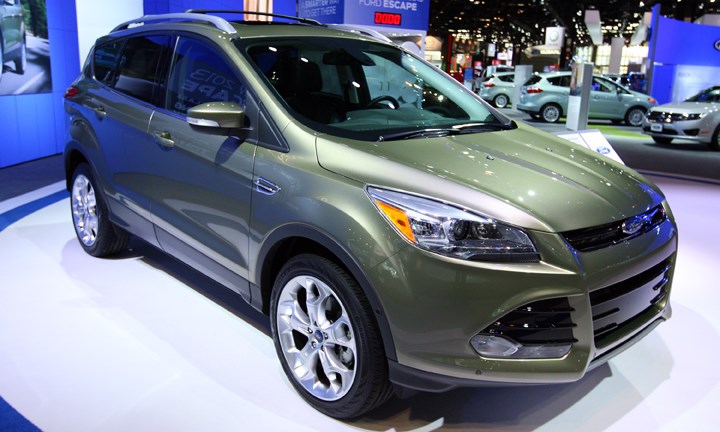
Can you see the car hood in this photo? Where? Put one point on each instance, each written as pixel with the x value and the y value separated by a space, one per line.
pixel 523 176
pixel 688 107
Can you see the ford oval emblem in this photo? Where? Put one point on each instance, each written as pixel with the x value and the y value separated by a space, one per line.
pixel 603 150
pixel 717 44
pixel 633 225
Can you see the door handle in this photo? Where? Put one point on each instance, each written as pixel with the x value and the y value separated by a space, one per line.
pixel 100 112
pixel 163 138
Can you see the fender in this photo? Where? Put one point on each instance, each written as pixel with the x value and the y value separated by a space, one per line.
pixel 260 302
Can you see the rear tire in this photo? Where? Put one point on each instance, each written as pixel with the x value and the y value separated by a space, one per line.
pixel 551 113
pixel 635 116
pixel 97 235
pixel 501 101
pixel 327 339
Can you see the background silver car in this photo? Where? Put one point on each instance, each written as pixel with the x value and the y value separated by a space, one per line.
pixel 498 88
pixel 546 96
pixel 698 119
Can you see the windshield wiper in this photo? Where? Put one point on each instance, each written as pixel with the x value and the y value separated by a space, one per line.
pixel 454 130
pixel 484 127
pixel 419 133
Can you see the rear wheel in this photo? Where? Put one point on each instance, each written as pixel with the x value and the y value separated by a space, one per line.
pixel 662 140
pixel 635 116
pixel 97 235
pixel 550 113
pixel 326 338
pixel 501 101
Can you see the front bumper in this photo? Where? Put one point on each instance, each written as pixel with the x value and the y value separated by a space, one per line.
pixel 436 305
pixel 695 130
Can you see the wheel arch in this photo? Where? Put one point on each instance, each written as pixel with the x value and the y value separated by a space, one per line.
pixel 295 239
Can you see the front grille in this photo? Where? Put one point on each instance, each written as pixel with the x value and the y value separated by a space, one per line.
pixel 590 239
pixel 544 322
pixel 615 306
pixel 667 117
pixel 665 131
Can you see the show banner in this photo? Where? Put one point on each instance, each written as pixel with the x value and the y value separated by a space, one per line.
pixel 405 14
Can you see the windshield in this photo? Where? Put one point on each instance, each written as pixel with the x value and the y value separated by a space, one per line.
pixel 709 95
pixel 364 90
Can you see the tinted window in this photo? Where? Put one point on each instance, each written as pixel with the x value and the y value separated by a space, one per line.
pixel 199 75
pixel 602 86
pixel 105 61
pixel 139 67
pixel 507 78
pixel 561 81
pixel 533 80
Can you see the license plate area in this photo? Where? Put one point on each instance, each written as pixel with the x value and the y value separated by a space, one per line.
pixel 656 127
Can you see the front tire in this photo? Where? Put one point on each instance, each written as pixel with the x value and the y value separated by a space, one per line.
pixel 662 140
pixel 21 63
pixel 327 339
pixel 97 235
pixel 715 143
pixel 551 113
pixel 635 116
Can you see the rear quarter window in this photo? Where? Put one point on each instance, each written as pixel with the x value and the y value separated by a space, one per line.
pixel 105 60
pixel 533 80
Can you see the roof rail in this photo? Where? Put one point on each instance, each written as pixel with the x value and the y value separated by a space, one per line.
pixel 374 34
pixel 216 21
pixel 298 19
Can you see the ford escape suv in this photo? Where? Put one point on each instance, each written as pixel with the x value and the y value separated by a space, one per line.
pixel 398 231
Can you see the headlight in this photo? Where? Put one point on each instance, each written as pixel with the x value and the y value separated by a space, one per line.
pixel 696 116
pixel 448 230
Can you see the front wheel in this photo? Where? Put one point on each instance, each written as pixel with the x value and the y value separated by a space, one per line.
pixel 327 339
pixel 662 140
pixel 550 113
pixel 21 62
pixel 715 143
pixel 97 235
pixel 635 116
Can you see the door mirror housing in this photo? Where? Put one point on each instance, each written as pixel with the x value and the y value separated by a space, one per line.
pixel 217 118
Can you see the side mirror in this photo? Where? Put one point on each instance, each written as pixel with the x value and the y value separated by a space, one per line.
pixel 217 118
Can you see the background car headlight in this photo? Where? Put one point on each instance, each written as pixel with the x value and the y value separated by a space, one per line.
pixel 452 231
pixel 695 116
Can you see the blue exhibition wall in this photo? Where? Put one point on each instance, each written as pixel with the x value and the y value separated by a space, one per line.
pixel 685 58
pixel 33 125
pixel 282 7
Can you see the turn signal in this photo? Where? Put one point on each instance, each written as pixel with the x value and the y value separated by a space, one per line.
pixel 398 218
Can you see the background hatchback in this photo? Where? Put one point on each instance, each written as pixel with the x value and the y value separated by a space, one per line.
pixel 545 96
pixel 498 88
pixel 395 228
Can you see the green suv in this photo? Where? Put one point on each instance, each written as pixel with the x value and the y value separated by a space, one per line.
pixel 398 231
pixel 12 35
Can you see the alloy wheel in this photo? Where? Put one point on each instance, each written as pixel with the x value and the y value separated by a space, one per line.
pixel 316 337
pixel 84 210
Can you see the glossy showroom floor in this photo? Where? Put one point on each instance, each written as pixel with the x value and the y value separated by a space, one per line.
pixel 141 343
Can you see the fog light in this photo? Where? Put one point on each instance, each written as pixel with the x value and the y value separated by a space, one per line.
pixel 500 347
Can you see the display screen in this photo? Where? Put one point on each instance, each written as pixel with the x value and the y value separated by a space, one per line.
pixel 388 18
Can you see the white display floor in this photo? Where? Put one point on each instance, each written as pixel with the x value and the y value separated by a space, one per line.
pixel 141 343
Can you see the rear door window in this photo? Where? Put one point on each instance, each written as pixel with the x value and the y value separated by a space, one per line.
pixel 560 81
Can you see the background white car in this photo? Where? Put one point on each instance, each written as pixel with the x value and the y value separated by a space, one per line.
pixel 697 119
